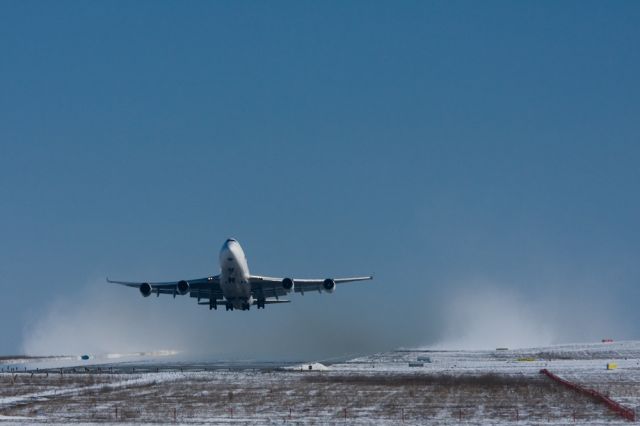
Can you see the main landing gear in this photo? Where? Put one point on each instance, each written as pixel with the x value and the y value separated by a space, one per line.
pixel 245 306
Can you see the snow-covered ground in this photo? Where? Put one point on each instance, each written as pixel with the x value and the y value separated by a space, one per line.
pixel 410 386
pixel 17 363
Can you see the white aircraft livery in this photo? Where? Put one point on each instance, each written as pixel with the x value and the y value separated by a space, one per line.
pixel 235 287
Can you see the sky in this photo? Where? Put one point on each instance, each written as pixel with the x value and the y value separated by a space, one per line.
pixel 480 159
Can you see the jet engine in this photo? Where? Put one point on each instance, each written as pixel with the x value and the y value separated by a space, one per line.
pixel 182 288
pixel 145 289
pixel 329 285
pixel 288 284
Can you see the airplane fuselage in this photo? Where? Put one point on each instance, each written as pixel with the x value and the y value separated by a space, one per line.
pixel 234 275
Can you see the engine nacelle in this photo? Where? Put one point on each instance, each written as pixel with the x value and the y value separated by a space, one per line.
pixel 329 285
pixel 145 289
pixel 182 288
pixel 288 284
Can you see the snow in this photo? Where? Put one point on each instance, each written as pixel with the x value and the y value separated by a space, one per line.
pixel 456 387
pixel 313 366
pixel 130 382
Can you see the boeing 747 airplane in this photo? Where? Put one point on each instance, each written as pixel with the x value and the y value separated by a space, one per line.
pixel 235 287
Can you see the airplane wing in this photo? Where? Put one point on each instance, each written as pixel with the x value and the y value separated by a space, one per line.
pixel 202 288
pixel 263 287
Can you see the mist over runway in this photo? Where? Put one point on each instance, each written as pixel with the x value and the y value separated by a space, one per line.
pixel 100 319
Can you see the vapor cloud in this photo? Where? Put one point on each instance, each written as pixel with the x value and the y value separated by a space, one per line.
pixel 487 317
pixel 483 315
pixel 97 320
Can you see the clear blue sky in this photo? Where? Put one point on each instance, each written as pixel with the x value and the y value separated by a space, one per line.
pixel 436 144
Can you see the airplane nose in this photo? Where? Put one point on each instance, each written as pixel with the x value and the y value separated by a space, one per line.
pixel 229 243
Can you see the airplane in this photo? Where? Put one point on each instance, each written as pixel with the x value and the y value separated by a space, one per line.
pixel 235 287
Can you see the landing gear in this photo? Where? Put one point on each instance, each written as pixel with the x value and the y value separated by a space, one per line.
pixel 213 304
pixel 260 303
pixel 230 305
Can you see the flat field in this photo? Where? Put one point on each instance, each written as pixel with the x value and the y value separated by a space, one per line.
pixel 450 387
